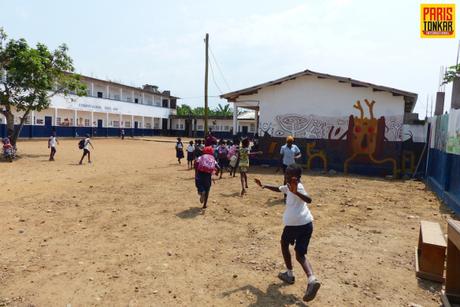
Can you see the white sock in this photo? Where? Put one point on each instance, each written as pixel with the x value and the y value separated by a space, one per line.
pixel 290 273
pixel 311 278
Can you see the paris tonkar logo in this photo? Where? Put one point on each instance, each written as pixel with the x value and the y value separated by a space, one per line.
pixel 437 20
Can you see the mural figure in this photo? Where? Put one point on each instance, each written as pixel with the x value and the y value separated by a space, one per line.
pixel 365 136
pixel 312 154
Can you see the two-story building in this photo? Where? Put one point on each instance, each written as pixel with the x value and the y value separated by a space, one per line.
pixel 107 108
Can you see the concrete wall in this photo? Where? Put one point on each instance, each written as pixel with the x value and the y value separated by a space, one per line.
pixel 318 104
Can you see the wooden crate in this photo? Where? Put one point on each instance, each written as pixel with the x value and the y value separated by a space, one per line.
pixel 451 295
pixel 430 254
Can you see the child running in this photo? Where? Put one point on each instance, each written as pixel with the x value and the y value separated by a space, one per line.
pixel 84 144
pixel 233 156
pixel 198 149
pixel 222 152
pixel 179 150
pixel 190 154
pixel 205 166
pixel 243 161
pixel 298 228
pixel 52 143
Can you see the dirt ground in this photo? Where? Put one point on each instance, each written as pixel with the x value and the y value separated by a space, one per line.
pixel 127 231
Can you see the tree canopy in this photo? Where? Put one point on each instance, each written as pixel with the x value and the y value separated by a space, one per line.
pixel 220 110
pixel 452 73
pixel 30 76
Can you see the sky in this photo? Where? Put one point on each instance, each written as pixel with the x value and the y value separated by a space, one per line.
pixel 162 42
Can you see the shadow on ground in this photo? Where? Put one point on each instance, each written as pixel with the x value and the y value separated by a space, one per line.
pixel 271 297
pixel 190 213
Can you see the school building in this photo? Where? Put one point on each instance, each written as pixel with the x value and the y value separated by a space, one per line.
pixel 339 123
pixel 221 126
pixel 107 108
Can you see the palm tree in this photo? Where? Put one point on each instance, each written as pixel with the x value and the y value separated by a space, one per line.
pixel 223 110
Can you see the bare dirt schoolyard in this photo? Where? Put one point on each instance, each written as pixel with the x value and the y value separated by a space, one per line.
pixel 127 231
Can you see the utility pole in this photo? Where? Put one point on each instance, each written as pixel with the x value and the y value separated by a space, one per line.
pixel 206 86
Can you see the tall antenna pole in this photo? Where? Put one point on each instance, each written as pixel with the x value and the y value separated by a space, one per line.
pixel 458 51
pixel 426 110
pixel 206 86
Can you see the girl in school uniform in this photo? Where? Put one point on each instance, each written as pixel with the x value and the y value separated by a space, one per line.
pixel 179 150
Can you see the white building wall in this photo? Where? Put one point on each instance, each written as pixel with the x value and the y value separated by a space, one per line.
pixel 309 107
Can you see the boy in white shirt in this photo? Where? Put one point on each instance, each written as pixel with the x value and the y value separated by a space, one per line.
pixel 52 144
pixel 86 144
pixel 298 228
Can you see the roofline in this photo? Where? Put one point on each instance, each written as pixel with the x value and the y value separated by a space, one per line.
pixel 124 85
pixel 409 97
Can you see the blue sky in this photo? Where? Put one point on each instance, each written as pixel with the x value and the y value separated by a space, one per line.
pixel 161 42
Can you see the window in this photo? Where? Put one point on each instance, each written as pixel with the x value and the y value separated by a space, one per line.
pixel 148 125
pixel 165 103
pixel 116 123
pixel 28 120
pixel 100 95
pixel 149 101
pixel 181 127
pixel 128 99
pixel 252 127
pixel 127 124
pixel 156 123
pixel 58 121
pixel 39 121
pixel 136 100
pixel 86 122
pixel 200 127
pixel 116 97
pixel 226 128
pixel 157 101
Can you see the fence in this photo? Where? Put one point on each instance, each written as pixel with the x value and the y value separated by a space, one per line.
pixel 443 167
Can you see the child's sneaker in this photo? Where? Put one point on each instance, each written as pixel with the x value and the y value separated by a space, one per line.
pixel 284 276
pixel 311 291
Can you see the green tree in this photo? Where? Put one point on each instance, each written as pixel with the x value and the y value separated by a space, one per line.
pixel 223 110
pixel 184 110
pixel 451 74
pixel 29 77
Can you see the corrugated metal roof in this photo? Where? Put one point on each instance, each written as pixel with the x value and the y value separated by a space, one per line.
pixel 409 98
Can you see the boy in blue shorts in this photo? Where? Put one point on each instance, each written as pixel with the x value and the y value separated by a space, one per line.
pixel 298 228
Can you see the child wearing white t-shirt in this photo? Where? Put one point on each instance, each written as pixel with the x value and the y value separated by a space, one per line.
pixel 298 228
pixel 52 144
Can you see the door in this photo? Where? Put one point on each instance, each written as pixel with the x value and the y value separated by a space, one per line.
pixel 99 123
pixel 48 121
pixel 136 125
pixel 164 127
pixel 244 129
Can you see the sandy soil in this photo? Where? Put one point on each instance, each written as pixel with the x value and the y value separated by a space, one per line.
pixel 127 231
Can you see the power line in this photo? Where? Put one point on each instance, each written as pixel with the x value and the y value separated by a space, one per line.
pixel 214 78
pixel 199 97
pixel 218 68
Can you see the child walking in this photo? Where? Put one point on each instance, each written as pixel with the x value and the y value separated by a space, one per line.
pixel 198 149
pixel 52 143
pixel 205 166
pixel 233 156
pixel 190 154
pixel 84 144
pixel 243 161
pixel 298 228
pixel 179 150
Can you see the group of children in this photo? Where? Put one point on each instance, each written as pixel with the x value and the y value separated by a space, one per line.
pixel 227 155
pixel 297 217
pixel 84 144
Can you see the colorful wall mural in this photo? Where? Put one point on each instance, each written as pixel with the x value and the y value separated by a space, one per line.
pixel 362 142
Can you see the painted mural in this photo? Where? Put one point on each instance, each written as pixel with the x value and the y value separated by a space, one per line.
pixel 442 125
pixel 352 141
pixel 366 135
pixel 453 134
pixel 324 127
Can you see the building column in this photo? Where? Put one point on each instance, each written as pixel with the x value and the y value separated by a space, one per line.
pixel 107 120
pixel 132 121
pixel 108 92
pixel 132 93
pixel 153 123
pixel 55 116
pixel 92 119
pixel 121 94
pixel 143 120
pixel 92 89
pixel 32 119
pixel 121 120
pixel 75 118
pixel 235 119
pixel 143 98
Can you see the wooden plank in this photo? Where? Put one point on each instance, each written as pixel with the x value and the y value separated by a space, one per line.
pixel 453 232
pixel 432 234
pixel 425 275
